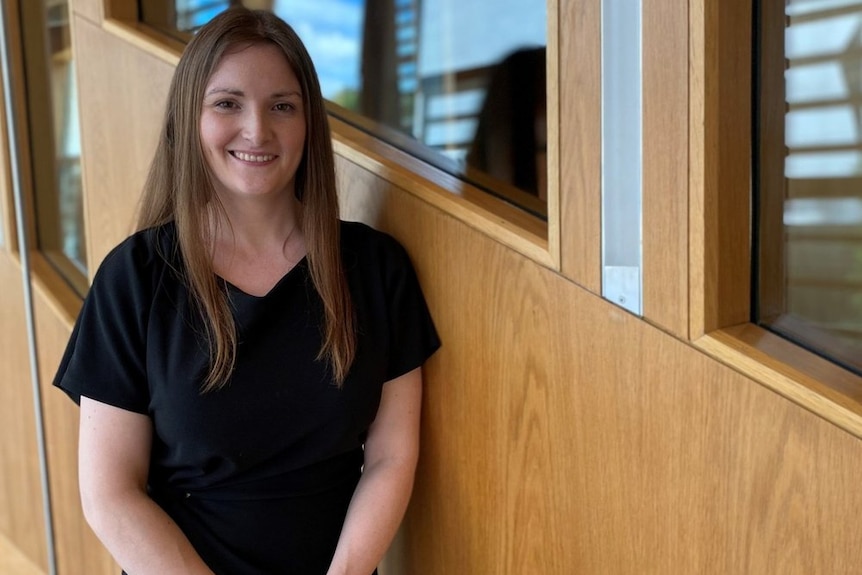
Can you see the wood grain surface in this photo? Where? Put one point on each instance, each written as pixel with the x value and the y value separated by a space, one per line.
pixel 561 434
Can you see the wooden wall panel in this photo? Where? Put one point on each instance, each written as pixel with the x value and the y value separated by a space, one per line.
pixel 21 509
pixel 580 143
pixel 563 435
pixel 720 54
pixel 92 10
pixel 560 433
pixel 13 562
pixel 491 538
pixel 78 551
pixel 122 94
pixel 665 166
pixel 772 150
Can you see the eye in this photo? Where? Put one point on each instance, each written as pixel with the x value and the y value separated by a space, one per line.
pixel 284 107
pixel 225 105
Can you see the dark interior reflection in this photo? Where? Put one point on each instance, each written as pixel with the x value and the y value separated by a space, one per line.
pixel 510 142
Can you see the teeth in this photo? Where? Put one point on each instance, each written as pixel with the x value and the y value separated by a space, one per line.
pixel 253 157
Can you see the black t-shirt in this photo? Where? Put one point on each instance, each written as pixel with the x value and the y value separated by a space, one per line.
pixel 259 473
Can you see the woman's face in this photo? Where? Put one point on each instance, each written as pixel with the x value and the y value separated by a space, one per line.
pixel 252 124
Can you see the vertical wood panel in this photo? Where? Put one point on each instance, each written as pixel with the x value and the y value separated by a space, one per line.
pixel 19 96
pixel 720 164
pixel 21 507
pixel 122 91
pixel 7 208
pixel 772 110
pixel 665 165
pixel 698 163
pixel 580 142
pixel 77 549
pixel 552 105
pixel 36 128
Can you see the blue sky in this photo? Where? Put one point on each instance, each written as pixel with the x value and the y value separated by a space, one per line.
pixel 332 33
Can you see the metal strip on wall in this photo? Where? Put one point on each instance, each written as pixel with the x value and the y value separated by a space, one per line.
pixel 622 152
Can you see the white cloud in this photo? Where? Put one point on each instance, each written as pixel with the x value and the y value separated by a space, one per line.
pixel 340 14
pixel 332 32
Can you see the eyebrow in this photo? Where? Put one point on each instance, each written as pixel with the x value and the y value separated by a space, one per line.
pixel 240 93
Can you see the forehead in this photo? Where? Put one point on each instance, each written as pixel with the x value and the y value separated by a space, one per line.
pixel 262 65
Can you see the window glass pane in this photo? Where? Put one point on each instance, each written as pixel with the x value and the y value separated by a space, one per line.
pixel 810 175
pixel 458 83
pixel 53 134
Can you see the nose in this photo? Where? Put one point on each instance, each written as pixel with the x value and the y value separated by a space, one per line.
pixel 256 129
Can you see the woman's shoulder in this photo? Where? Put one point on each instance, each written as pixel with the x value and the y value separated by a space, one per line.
pixel 362 239
pixel 359 231
pixel 145 252
pixel 374 255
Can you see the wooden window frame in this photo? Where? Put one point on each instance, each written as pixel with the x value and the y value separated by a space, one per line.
pixel 720 221
pixel 773 238
pixel 39 193
pixel 769 173
pixel 8 243
pixel 7 201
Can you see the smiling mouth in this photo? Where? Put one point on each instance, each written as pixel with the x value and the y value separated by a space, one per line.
pixel 252 157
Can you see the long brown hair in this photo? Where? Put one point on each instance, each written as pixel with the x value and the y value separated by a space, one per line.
pixel 179 189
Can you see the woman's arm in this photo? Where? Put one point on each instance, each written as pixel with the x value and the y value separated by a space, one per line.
pixel 378 505
pixel 113 463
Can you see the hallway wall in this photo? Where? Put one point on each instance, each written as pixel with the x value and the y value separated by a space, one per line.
pixel 561 434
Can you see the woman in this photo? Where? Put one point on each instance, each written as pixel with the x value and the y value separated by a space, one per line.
pixel 248 367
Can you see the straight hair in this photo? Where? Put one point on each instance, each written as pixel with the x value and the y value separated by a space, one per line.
pixel 179 188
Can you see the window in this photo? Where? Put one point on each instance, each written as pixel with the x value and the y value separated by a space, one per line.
pixel 54 142
pixel 808 181
pixel 458 83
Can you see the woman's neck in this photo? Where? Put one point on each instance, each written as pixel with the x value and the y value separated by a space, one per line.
pixel 254 246
pixel 256 225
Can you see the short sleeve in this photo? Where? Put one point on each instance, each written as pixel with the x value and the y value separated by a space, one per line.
pixel 105 358
pixel 413 336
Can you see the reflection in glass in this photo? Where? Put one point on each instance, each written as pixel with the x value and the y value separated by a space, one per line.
pixel 54 136
pixel 815 197
pixel 458 83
